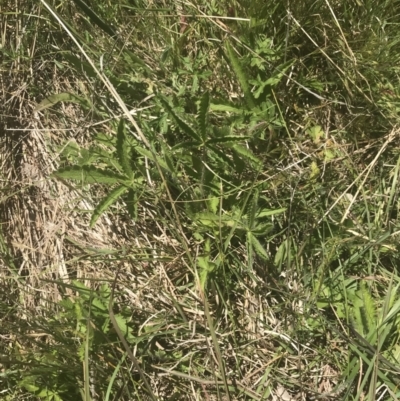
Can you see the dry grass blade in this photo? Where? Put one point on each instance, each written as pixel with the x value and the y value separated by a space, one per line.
pixel 124 343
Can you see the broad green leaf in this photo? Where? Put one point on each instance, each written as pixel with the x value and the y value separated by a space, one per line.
pixel 203 114
pixel 89 175
pixel 123 150
pixel 29 384
pixel 61 97
pixel 111 198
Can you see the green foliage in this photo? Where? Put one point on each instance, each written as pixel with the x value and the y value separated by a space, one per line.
pixel 237 68
pixel 269 136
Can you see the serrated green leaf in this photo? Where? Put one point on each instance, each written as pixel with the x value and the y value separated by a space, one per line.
pixel 157 159
pixel 280 255
pixel 89 175
pixel 213 220
pixel 111 198
pixel 186 145
pixel 262 229
pixel 125 329
pixel 61 97
pixel 203 114
pixel 369 312
pixel 99 305
pixel 225 107
pixel 247 154
pixel 213 204
pixel 221 156
pixel 131 203
pixel 123 150
pixel 205 268
pixel 265 212
pixel 252 209
pixel 181 124
pixel 237 68
pixel 231 139
pixel 258 248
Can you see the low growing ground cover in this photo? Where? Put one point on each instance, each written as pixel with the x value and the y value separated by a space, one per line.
pixel 199 200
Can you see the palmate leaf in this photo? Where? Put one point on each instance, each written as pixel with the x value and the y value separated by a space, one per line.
pixel 89 175
pixel 111 198
pixel 123 150
pixel 203 114
pixel 181 124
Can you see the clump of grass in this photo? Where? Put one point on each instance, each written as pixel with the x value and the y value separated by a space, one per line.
pixel 218 214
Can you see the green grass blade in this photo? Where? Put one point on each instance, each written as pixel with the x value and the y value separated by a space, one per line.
pixel 114 377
